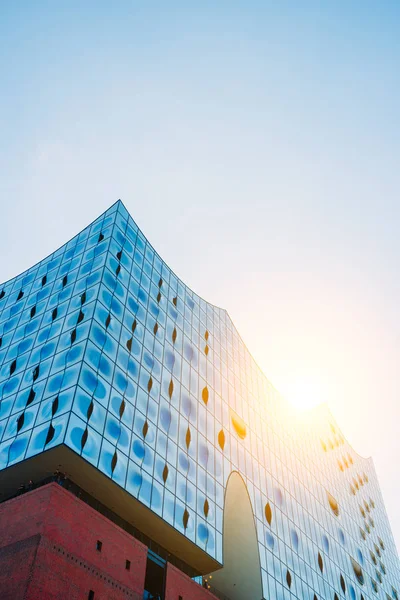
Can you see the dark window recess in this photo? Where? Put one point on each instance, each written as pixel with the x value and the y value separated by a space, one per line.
pixel 54 406
pixel 180 597
pixel 99 545
pixel 165 473
pixel 114 461
pixel 122 408
pixel 65 280
pixel 185 518
pixel 80 317
pixel 118 270
pixel 1 342
pixel 119 255
pixel 108 320
pixel 50 434
pixel 83 298
pixel 13 366
pixel 31 397
pixel 44 280
pixel 90 410
pixel 101 237
pixel 320 563
pixel 35 373
pixel 54 314
pixel 73 336
pixel 33 311
pixel 84 438
pixel 20 422
pixel 128 565
pixel 21 293
pixel 2 294
pixel 288 578
pixel 91 595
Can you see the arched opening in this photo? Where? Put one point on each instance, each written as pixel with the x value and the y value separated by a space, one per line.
pixel 240 576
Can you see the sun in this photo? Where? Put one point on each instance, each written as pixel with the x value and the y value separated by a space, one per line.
pixel 302 394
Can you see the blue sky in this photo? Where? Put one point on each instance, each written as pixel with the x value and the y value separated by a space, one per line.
pixel 256 144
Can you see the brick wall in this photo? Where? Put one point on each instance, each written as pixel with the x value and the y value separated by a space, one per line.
pixel 16 565
pixel 180 586
pixel 48 550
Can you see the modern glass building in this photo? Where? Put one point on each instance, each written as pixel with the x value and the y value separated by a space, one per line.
pixel 114 372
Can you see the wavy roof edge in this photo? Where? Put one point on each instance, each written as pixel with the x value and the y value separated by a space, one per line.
pixel 120 203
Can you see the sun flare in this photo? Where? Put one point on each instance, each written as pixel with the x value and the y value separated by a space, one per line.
pixel 302 394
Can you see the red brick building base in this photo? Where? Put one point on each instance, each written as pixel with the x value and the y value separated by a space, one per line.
pixel 54 546
pixel 180 587
pixel 49 550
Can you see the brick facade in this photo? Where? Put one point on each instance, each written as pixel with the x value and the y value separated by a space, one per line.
pixel 48 550
pixel 180 587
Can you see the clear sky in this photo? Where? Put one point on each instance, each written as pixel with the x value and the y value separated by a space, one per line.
pixel 257 145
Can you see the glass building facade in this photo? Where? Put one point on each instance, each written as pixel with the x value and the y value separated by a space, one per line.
pixel 104 350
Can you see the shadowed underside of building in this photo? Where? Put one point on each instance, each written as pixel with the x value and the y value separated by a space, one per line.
pixel 143 453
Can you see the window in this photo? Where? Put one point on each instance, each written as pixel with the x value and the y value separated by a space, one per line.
pixel 128 565
pixel 288 579
pixel 268 513
pixel 333 504
pixel 91 595
pixel 99 545
pixel 320 563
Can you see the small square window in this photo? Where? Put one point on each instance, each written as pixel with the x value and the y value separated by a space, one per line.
pixel 128 565
pixel 99 545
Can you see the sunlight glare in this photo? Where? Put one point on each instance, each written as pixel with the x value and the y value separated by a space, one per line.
pixel 302 394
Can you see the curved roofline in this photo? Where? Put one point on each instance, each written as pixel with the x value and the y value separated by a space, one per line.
pixel 161 258
pixel 324 406
pixel 120 202
pixel 3 283
pixel 202 298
